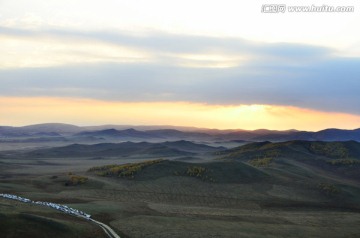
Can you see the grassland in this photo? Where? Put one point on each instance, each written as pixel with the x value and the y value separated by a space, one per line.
pixel 25 220
pixel 290 195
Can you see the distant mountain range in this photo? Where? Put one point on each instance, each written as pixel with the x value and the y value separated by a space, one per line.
pixel 57 131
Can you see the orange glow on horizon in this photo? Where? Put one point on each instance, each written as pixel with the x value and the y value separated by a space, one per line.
pixel 17 111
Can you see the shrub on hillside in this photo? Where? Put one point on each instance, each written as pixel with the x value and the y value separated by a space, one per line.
pixel 264 162
pixel 344 162
pixel 125 170
pixel 331 149
pixel 76 180
pixel 198 172
pixel 328 189
pixel 195 171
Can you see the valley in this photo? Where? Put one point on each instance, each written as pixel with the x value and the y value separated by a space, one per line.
pixel 187 188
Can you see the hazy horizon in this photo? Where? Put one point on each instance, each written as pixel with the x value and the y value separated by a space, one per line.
pixel 159 126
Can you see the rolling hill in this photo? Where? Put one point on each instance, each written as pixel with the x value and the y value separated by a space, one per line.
pixel 174 133
pixel 297 148
pixel 218 172
pixel 308 187
pixel 331 158
pixel 166 149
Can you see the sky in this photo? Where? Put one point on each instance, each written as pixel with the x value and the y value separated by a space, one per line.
pixel 214 64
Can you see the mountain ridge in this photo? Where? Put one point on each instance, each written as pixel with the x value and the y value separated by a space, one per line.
pixel 186 133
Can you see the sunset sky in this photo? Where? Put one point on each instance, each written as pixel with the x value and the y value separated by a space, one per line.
pixel 214 64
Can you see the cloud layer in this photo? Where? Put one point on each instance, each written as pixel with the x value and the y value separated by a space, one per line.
pixel 168 67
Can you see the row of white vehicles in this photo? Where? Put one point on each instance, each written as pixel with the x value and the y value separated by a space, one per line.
pixel 56 206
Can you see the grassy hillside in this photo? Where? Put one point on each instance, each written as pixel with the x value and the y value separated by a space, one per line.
pixel 309 161
pixel 329 155
pixel 305 149
pixel 165 149
pixel 219 172
pixel 111 149
pixel 288 189
pixel 25 220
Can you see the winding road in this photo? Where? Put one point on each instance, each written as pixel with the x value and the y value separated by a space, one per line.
pixel 110 232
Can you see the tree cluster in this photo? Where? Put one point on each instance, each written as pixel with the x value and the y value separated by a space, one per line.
pixel 124 170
